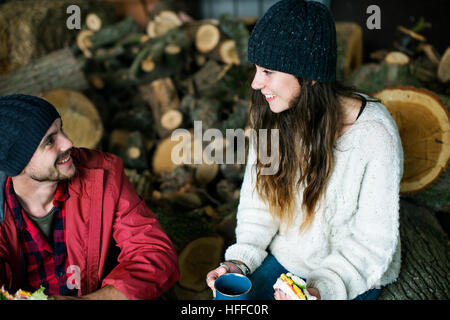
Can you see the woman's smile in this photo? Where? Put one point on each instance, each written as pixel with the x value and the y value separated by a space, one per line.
pixel 269 97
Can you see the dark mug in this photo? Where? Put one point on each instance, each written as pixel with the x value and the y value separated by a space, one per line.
pixel 232 286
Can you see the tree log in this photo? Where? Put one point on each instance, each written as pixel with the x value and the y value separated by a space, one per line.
pixel 444 67
pixel 162 157
pixel 226 52
pixel 238 118
pixel 236 30
pixel 197 259
pixel 206 38
pixel 130 146
pixel 373 77
pixel 397 57
pixel 59 69
pixel 98 20
pixel 207 111
pixel 350 48
pixel 162 97
pixel 180 227
pixel 437 195
pixel 162 23
pixel 113 33
pixel 80 117
pixel 207 76
pixel 177 180
pixel 426 147
pixel 205 173
pixel 425 257
pixel 142 182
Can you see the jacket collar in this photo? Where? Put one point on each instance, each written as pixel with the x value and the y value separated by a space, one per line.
pixel 75 186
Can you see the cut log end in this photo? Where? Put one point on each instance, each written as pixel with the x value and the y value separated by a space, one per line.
pixel 171 119
pixel 93 22
pixel 81 119
pixel 172 49
pixel 134 152
pixel 397 57
pixel 228 52
pixel 162 158
pixel 426 147
pixel 162 23
pixel 206 38
pixel 148 65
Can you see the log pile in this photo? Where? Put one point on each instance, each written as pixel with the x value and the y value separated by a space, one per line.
pixel 136 83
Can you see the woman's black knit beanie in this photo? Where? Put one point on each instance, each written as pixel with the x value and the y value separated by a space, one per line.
pixel 24 120
pixel 296 37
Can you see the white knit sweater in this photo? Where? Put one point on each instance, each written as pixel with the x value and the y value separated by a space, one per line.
pixel 353 243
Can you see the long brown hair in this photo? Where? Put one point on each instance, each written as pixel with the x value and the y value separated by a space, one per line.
pixel 308 131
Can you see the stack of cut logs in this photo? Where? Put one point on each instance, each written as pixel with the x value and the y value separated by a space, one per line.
pixel 181 72
pixel 125 88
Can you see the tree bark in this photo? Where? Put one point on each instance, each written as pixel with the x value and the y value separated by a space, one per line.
pixel 425 266
pixel 59 69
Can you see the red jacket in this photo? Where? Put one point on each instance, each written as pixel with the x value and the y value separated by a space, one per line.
pixel 103 209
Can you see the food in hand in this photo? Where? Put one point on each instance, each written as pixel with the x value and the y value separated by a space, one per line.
pixel 294 287
pixel 23 295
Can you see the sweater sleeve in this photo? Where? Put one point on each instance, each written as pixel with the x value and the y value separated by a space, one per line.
pixel 255 225
pixel 360 258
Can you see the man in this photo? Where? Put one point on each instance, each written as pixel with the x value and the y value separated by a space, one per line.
pixel 65 212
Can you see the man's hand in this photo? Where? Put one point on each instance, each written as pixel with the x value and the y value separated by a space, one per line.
pixel 105 293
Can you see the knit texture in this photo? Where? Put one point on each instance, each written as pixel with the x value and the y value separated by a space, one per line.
pixel 353 243
pixel 296 37
pixel 24 120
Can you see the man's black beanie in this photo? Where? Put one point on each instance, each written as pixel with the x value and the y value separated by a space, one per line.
pixel 24 120
pixel 296 37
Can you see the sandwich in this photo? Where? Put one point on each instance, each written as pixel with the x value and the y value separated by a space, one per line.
pixel 294 287
pixel 23 295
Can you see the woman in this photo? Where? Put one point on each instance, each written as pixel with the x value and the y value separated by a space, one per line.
pixel 329 213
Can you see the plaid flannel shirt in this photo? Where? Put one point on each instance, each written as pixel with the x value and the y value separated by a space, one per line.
pixel 46 259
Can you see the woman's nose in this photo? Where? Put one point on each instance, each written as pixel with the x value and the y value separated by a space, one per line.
pixel 258 81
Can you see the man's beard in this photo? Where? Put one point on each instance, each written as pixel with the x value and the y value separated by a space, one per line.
pixel 55 175
pixel 57 178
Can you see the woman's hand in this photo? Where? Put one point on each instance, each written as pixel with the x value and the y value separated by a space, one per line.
pixel 279 295
pixel 212 276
